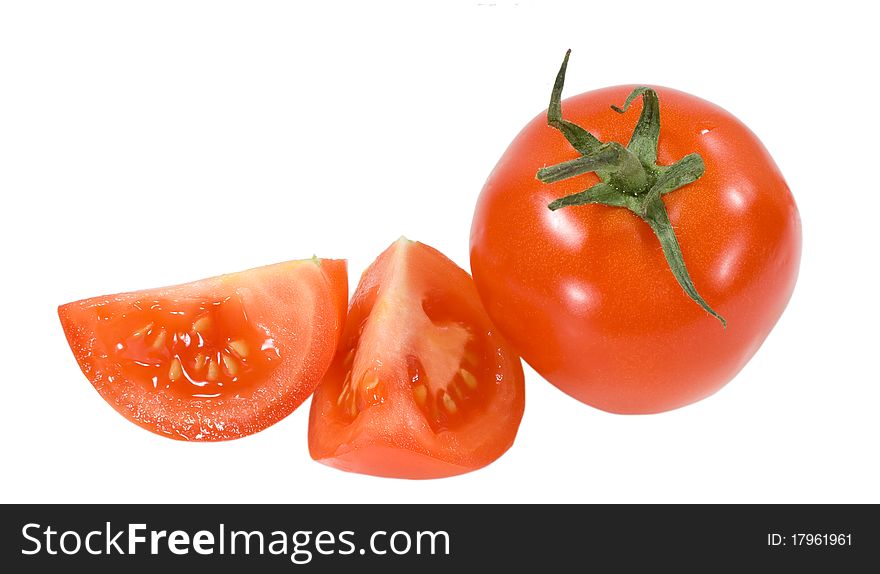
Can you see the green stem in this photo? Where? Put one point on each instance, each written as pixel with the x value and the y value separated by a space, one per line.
pixel 657 217
pixel 643 142
pixel 601 193
pixel 606 157
pixel 579 138
pixel 630 177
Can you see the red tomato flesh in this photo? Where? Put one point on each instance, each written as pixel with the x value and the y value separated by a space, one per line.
pixel 215 359
pixel 422 385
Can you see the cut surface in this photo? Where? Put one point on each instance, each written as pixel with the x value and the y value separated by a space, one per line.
pixel 420 377
pixel 215 359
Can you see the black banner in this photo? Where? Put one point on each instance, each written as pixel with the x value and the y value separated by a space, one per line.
pixel 399 538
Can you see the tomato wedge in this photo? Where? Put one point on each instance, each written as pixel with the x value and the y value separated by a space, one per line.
pixel 215 359
pixel 422 385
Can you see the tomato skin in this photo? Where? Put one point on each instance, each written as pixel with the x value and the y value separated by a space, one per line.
pixel 393 438
pixel 301 303
pixel 585 294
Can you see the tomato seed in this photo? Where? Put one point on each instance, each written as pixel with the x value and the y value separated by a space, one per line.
pixel 159 341
pixel 448 403
pixel 240 348
pixel 453 390
pixel 143 330
pixel 469 379
pixel 176 370
pixel 370 382
pixel 201 324
pixel 343 394
pixel 213 370
pixel 420 394
pixel 231 364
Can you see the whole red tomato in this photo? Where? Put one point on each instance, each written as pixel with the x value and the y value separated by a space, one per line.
pixel 619 293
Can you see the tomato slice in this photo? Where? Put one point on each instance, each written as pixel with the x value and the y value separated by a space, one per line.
pixel 422 385
pixel 215 359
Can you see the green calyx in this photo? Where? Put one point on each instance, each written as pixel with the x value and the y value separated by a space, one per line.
pixel 630 176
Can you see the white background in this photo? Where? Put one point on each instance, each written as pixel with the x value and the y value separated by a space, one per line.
pixel 151 143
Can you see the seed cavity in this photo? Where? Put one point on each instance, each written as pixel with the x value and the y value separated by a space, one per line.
pixel 349 359
pixel 446 404
pixel 195 347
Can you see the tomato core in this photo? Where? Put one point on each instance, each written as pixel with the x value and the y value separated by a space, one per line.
pixel 194 348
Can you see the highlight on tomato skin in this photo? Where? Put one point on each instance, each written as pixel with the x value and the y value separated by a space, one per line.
pixel 215 359
pixel 422 385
